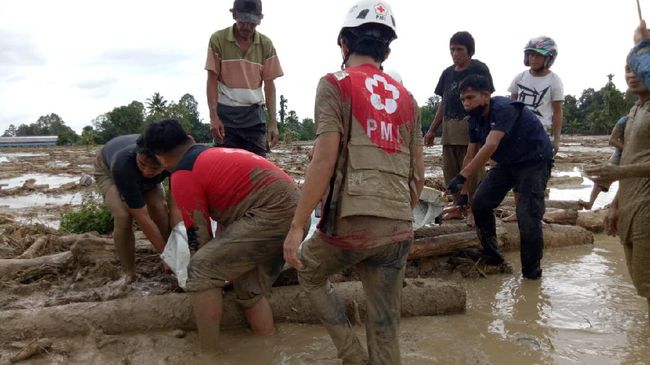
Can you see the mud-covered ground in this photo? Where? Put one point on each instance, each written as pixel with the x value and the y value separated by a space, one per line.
pixel 37 184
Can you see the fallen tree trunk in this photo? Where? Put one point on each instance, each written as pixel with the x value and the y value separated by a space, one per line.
pixel 32 250
pixel 420 297
pixel 561 216
pixel 592 220
pixel 559 204
pixel 10 268
pixel 555 235
pixel 445 244
pixel 445 228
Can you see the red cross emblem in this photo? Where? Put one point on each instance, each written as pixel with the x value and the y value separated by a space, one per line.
pixel 380 9
pixel 383 95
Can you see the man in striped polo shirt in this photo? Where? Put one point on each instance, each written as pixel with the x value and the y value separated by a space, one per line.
pixel 242 66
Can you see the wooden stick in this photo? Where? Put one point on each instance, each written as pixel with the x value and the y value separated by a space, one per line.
pixel 638 9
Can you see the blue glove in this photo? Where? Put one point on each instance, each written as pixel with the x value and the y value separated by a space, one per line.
pixel 456 184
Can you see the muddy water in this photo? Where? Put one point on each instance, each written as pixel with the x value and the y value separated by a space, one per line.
pixel 583 311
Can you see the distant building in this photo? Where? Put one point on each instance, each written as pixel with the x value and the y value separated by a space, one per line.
pixel 28 141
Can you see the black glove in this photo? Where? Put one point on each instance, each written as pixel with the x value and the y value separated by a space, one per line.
pixel 462 201
pixel 456 184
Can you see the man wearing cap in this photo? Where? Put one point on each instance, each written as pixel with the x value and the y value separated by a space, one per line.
pixel 242 66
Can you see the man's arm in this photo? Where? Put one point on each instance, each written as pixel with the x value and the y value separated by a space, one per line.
pixel 610 222
pixel 613 172
pixel 149 228
pixel 478 161
pixel 273 134
pixel 557 124
pixel 212 92
pixel 418 175
pixel 317 179
pixel 514 96
pixel 430 137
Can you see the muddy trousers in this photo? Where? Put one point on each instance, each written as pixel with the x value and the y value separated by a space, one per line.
pixel 381 270
pixel 530 179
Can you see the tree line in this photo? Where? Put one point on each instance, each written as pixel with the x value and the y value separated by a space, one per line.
pixel 594 113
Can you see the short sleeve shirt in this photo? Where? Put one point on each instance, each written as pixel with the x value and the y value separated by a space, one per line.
pixel 525 139
pixel 241 76
pixel 538 94
pixel 223 184
pixel 120 156
pixel 454 132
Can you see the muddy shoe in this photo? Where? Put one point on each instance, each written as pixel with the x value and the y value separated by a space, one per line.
pixel 477 254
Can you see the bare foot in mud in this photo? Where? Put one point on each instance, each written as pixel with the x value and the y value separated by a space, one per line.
pixel 511 218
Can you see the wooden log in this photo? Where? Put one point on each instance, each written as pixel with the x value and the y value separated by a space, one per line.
pixel 561 216
pixel 32 250
pixel 592 220
pixel 420 297
pixel 555 235
pixel 446 244
pixel 559 204
pixel 442 245
pixel 441 229
pixel 10 268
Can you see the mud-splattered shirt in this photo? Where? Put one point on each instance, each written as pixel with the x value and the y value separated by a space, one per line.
pixel 223 184
pixel 634 193
pixel 369 230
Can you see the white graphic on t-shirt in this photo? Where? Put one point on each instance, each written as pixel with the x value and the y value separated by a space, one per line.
pixel 532 98
pixel 383 95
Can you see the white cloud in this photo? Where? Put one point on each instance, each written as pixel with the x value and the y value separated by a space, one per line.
pixel 80 59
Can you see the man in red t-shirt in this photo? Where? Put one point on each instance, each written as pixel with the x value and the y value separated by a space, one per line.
pixel 253 202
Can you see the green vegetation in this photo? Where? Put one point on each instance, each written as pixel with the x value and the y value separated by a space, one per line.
pixel 93 216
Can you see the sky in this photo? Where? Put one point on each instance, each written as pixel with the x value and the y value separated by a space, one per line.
pixel 81 59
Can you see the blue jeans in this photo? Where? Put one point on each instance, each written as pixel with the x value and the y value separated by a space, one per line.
pixel 381 270
pixel 530 179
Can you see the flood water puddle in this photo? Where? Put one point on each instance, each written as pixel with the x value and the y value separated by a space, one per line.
pixel 54 181
pixel 584 310
pixel 584 191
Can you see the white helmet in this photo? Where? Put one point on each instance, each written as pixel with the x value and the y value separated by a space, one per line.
pixel 370 11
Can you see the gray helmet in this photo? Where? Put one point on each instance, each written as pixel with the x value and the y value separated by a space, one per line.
pixel 543 45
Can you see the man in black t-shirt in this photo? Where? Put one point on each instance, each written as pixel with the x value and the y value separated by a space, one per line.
pixel 129 178
pixel 451 113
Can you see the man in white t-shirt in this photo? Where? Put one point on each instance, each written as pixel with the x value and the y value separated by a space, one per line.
pixel 541 90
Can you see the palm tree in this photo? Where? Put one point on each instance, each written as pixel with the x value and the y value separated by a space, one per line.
pixel 156 104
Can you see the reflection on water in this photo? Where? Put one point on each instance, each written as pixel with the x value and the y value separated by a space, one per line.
pixel 39 199
pixel 582 192
pixel 583 311
pixel 54 181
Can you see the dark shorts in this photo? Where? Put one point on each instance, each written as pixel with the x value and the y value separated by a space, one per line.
pixel 252 139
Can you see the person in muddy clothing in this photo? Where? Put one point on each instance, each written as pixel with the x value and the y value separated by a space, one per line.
pixel 616 141
pixel 242 65
pixel 251 199
pixel 629 212
pixel 451 114
pixel 129 177
pixel 368 163
pixel 510 134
